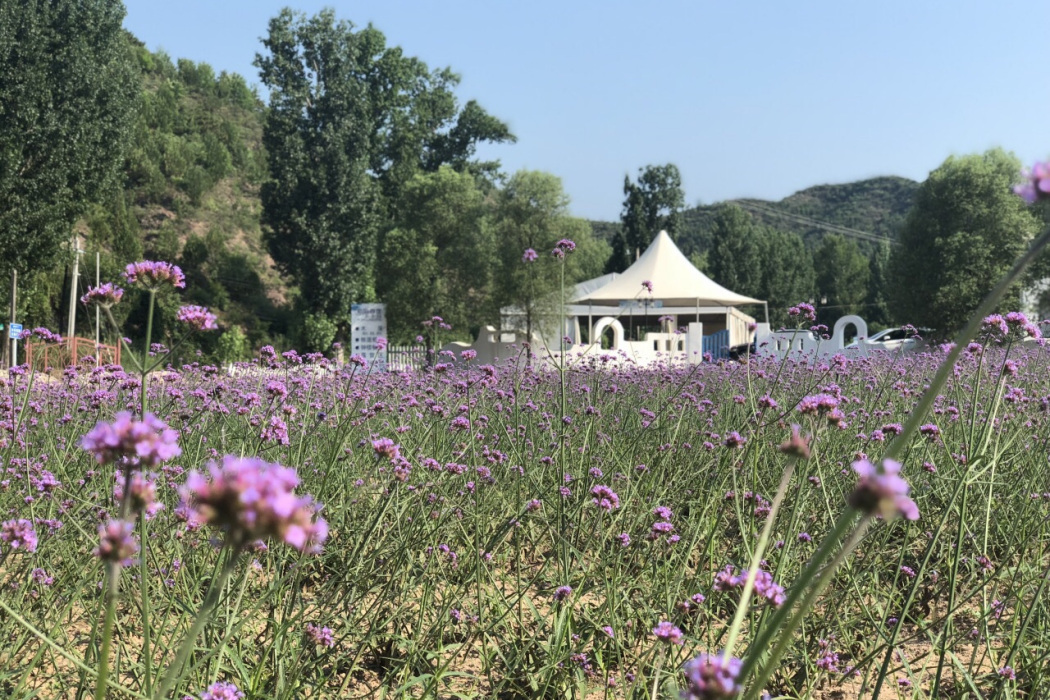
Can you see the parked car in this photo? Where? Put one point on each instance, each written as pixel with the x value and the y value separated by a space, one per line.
pixel 906 337
pixel 738 353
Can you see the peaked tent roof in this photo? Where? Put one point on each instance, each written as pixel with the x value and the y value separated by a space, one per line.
pixel 675 281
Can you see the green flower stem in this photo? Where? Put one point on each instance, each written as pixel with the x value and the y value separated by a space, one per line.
pixel 756 560
pixel 842 528
pixel 128 351
pixel 787 632
pixel 172 675
pixel 143 390
pixel 112 592
pixel 147 651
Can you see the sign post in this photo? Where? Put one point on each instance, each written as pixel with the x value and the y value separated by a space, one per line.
pixel 14 332
pixel 368 323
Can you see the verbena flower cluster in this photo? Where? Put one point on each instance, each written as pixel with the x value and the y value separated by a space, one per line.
pixel 105 295
pixel 197 317
pixel 251 499
pixel 152 274
pixel 146 442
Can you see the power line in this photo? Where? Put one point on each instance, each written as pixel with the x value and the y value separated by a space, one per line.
pixel 799 218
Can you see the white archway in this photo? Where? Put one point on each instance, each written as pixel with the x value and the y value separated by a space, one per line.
pixel 608 322
pixel 838 336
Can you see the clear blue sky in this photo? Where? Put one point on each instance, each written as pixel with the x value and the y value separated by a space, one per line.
pixel 758 98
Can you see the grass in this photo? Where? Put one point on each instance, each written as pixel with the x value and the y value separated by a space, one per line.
pixel 439 574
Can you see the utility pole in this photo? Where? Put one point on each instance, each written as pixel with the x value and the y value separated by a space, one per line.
pixel 13 349
pixel 71 327
pixel 98 353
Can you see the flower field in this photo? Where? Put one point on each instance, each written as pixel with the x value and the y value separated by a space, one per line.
pixel 597 531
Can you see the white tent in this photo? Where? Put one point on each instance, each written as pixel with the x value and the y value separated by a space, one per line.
pixel 676 282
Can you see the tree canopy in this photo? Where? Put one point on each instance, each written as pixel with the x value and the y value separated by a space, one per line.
pixel 351 122
pixel 68 98
pixel 532 214
pixel 652 204
pixel 963 234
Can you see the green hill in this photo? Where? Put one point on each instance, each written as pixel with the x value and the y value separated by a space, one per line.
pixel 877 206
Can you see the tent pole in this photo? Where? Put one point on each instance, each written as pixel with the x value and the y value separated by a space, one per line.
pixel 765 306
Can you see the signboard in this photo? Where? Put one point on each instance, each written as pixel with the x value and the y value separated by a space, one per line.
pixel 642 304
pixel 15 331
pixel 368 324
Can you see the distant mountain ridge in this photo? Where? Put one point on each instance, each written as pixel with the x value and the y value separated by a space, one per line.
pixel 865 210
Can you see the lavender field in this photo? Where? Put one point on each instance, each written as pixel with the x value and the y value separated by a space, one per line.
pixel 480 531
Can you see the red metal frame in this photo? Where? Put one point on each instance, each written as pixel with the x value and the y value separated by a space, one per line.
pixel 41 356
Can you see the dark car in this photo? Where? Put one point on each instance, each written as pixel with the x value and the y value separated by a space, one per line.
pixel 740 353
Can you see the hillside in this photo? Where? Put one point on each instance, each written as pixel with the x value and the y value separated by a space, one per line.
pixel 876 206
pixel 190 196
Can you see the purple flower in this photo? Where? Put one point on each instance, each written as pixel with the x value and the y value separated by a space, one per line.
pixel 42 334
pixel 735 439
pixel 648 286
pixel 566 245
pixel 818 404
pixel 529 256
pixel 142 494
pixel 386 449
pixel 766 587
pixel 321 636
pixel 562 592
pixel 222 691
pixel 19 534
pixel 148 441
pixel 930 430
pixel 1008 673
pixel 197 317
pixel 41 576
pixel 882 491
pixel 806 311
pixel 1036 183
pixel 711 677
pixel 605 498
pixel 117 542
pixel 796 445
pixel 252 500
pixel 666 632
pixel 105 295
pixel 153 275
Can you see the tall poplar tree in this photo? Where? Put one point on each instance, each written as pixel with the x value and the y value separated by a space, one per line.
pixel 351 122
pixel 68 98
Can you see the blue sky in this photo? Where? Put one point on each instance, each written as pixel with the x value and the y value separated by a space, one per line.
pixel 756 99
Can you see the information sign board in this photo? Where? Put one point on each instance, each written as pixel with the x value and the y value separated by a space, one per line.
pixel 368 325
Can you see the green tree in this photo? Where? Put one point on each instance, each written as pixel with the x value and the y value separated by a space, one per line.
pixel 734 259
pixel 440 260
pixel 68 97
pixel 652 204
pixel 963 234
pixel 842 278
pixel 786 272
pixel 876 308
pixel 533 214
pixel 351 121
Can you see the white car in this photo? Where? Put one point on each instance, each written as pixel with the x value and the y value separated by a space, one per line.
pixel 893 339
